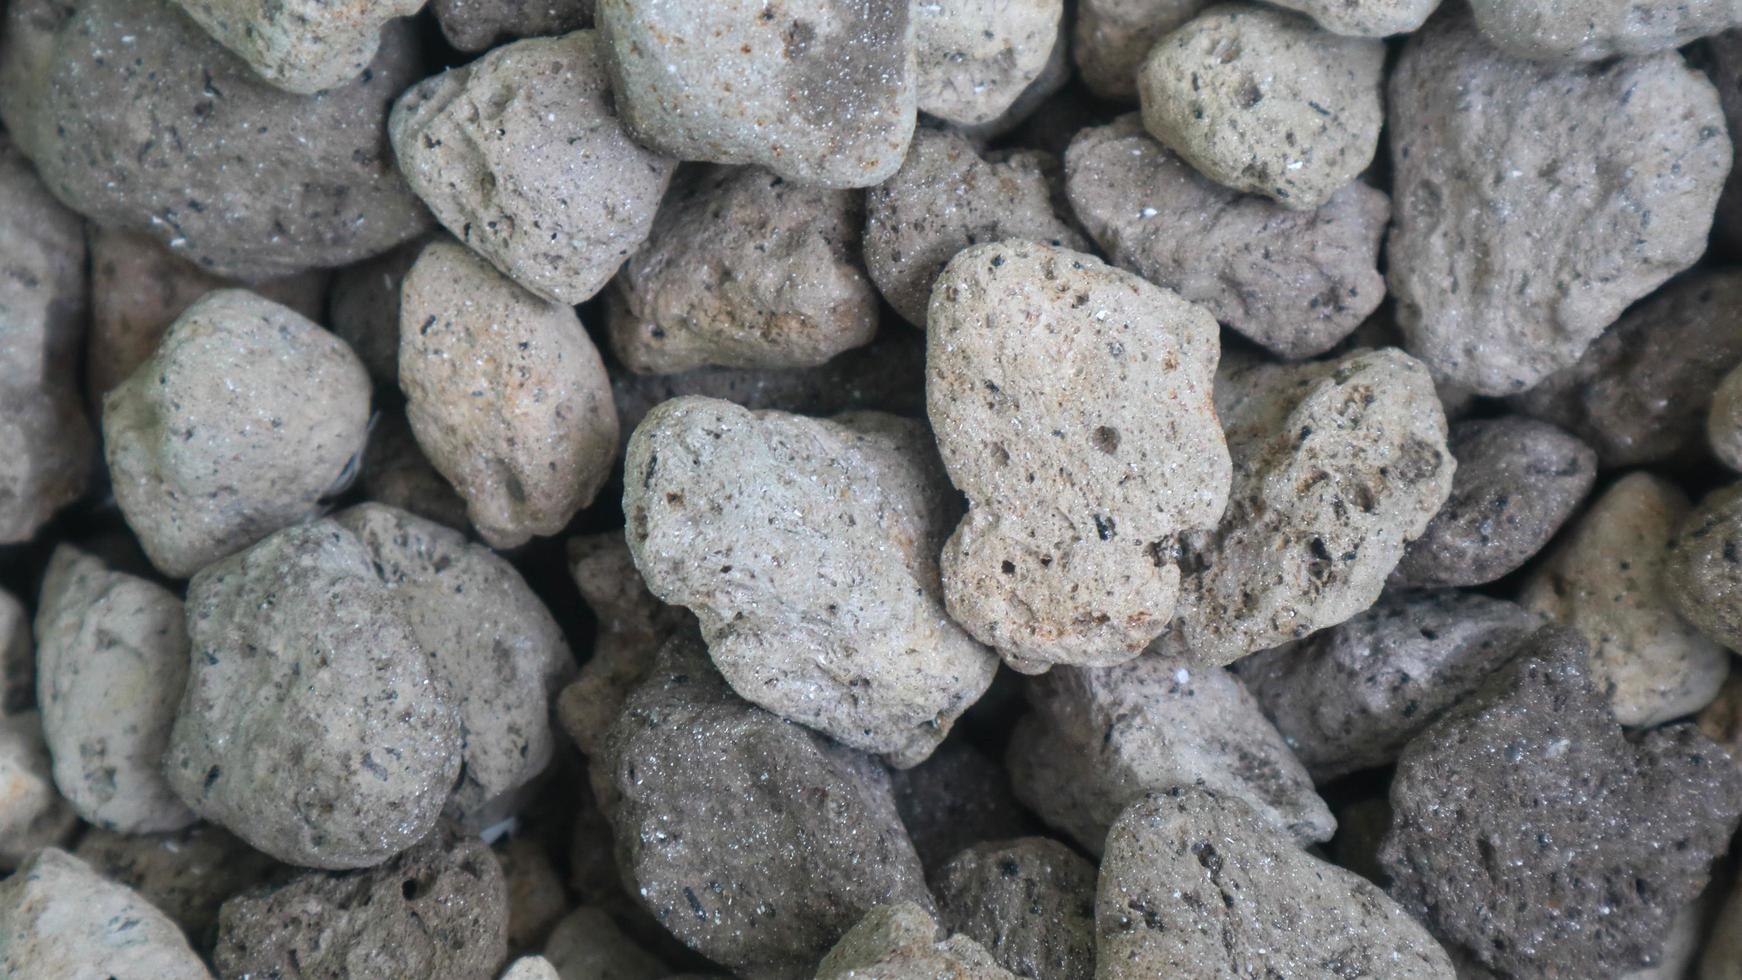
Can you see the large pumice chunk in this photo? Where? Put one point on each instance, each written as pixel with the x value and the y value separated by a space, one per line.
pixel 245 418
pixel 1030 902
pixel 1511 252
pixel 112 659
pixel 744 269
pixel 974 59
pixel 1100 738
pixel 1297 282
pixel 61 919
pixel 521 156
pixel 1263 101
pixel 141 121
pixel 476 25
pixel 1591 30
pixel 755 841
pixel 537 443
pixel 900 942
pixel 1112 37
pixel 807 548
pixel 1194 884
pixel 313 726
pixel 1365 18
pixel 1071 403
pixel 1337 465
pixel 1618 835
pixel 817 91
pixel 301 46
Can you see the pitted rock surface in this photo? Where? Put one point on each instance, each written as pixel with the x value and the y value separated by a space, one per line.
pixel 1030 902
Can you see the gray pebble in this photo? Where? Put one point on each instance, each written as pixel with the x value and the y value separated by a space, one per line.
pixel 187 874
pixel 396 473
pixel 533 968
pixel 1703 572
pixel 1029 902
pixel 901 942
pixel 62 920
pixel 974 58
pixel 1112 37
pixel 1296 282
pixel 1591 30
pixel 1509 256
pixel 477 25
pixel 954 800
pixel 301 47
pixel 1365 18
pixel 1724 421
pixel 32 812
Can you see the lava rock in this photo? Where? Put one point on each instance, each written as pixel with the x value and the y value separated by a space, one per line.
pixel 1591 30
pixel 186 874
pixel 1029 902
pixel 303 47
pixel 973 60
pixel 896 942
pixel 61 919
pixel 1112 37
pixel 32 813
pixel 954 800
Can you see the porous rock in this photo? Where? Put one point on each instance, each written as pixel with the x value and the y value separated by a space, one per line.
pixel 32 812
pixel 61 919
pixel 437 910
pixel 1591 30
pixel 1029 902
pixel 476 25
pixel 1612 580
pixel 1703 572
pixel 1506 840
pixel 1338 465
pixel 816 91
pixel 973 59
pixel 245 418
pixel 782 839
pixel 1263 101
pixel 1100 738
pixel 186 874
pixel 1518 480
pixel 127 106
pixel 588 945
pixel 947 197
pixel 1194 883
pixel 1297 282
pixel 17 657
pixel 1071 403
pixel 301 46
pixel 282 736
pixel 1112 37
pixel 521 156
pixel 396 473
pixel 1724 420
pixel 954 800
pixel 899 941
pixel 112 658
pixel 363 309
pixel 1350 697
pixel 807 548
pixel 1509 252
pixel 1055 74
pixel 1365 18
pixel 744 269
pixel 506 394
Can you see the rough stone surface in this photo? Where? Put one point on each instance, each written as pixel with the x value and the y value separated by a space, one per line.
pixel 817 91
pixel 245 418
pixel 396 473
pixel 1724 420
pixel 954 800
pixel 901 942
pixel 112 658
pixel 1261 100
pixel 282 736
pixel 17 657
pixel 1195 884
pixel 1365 18
pixel 537 444
pixel 490 640
pixel 301 46
pixel 1518 480
pixel 1296 282
pixel 744 269
pixel 118 102
pixel 1528 830
pixel 363 309
pixel 974 59
pixel 782 838
pixel 437 910
pixel 520 154
pixel 476 25
pixel 1338 464
pixel 808 550
pixel 186 875
pixel 1591 30
pixel 1100 738
pixel 1112 37
pixel 44 438
pixel 1612 580
pixel 1071 403
pixel 1535 203
pixel 61 919
pixel 32 813
pixel 1030 902
pixel 588 945
pixel 1703 573
pixel 945 198
pixel 1054 75
pixel 1350 697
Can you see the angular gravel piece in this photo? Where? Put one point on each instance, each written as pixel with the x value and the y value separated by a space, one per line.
pixel 520 154
pixel 112 659
pixel 588 945
pixel 437 910
pixel 807 548
pixel 32 813
pixel 1612 579
pixel 1296 282
pixel 1350 697
pixel 245 418
pixel 901 942
pixel 61 919
pixel 1071 402
pixel 477 25
pixel 1724 421
pixel 186 875
pixel 1112 37
pixel 755 841
pixel 396 473
pixel 945 198
pixel 506 394
pixel 1518 480
pixel 1703 572
pixel 1337 466
pixel 1030 902
pixel 817 91
pixel 954 800
pixel 1263 101
pixel 1528 830
pixel 1365 18
pixel 1100 738
pixel 282 736
pixel 1535 203
pixel 302 46
pixel 973 59
pixel 1591 30
pixel 127 105
pixel 744 269
pixel 363 309
pixel 1194 884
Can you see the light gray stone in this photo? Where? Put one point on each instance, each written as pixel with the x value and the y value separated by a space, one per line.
pixel 61 919
pixel 301 46
pixel 973 58
pixel 1365 18
pixel 1591 30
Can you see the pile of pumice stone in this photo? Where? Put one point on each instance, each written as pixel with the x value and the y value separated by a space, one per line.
pixel 1062 489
